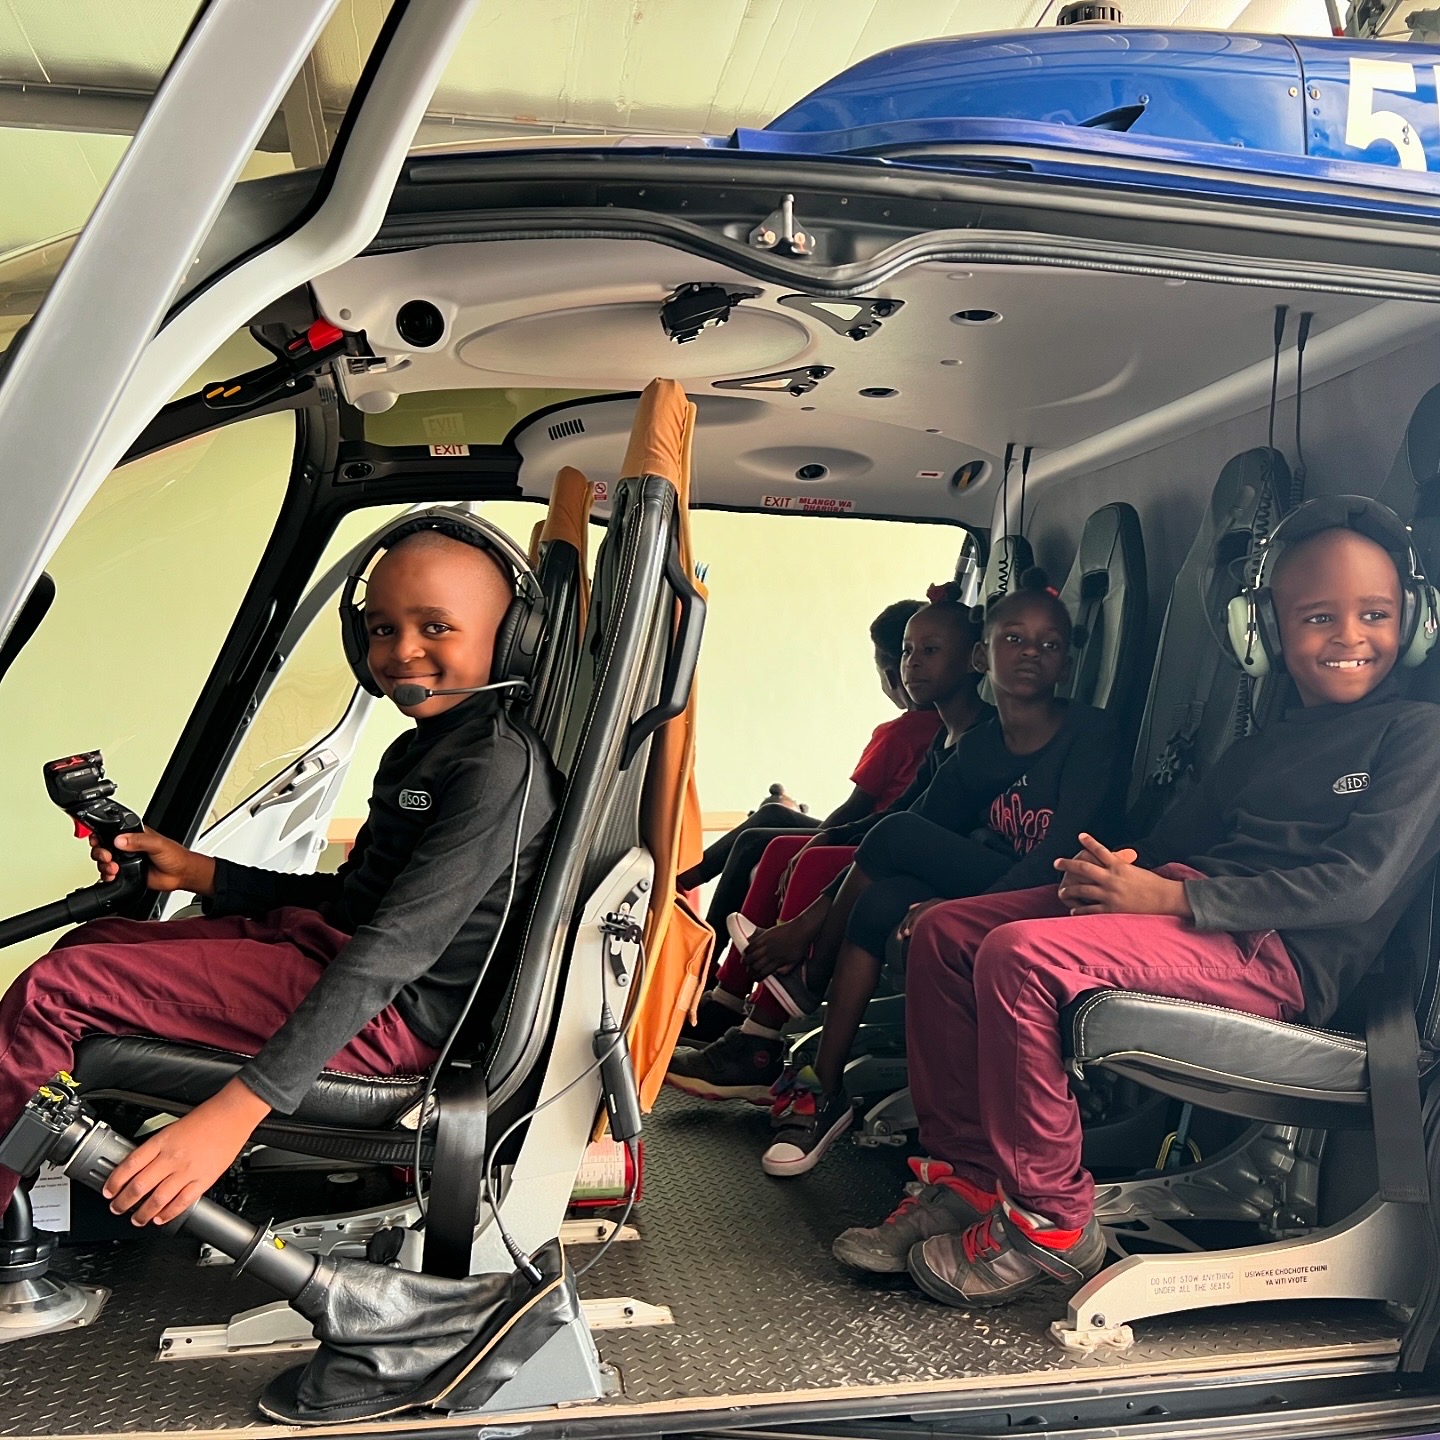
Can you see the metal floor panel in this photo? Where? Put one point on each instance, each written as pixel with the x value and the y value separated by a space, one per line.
pixel 761 1306
pixel 761 1309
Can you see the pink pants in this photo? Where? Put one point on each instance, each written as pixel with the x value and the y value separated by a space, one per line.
pixel 227 983
pixel 817 868
pixel 985 982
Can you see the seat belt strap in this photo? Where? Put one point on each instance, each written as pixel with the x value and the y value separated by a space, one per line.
pixel 457 1184
pixel 1393 1055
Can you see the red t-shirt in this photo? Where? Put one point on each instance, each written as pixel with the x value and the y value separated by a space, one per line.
pixel 892 757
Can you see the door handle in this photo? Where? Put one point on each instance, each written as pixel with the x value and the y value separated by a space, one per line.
pixel 304 775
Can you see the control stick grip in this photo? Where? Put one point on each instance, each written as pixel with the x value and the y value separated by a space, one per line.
pixel 107 819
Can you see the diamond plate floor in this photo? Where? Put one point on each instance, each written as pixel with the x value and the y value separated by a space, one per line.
pixel 743 1261
pixel 761 1307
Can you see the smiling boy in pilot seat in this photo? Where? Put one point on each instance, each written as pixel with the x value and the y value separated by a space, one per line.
pixel 1270 889
pixel 364 971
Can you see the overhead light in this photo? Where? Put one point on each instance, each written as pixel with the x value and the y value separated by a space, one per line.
pixel 977 317
pixel 879 392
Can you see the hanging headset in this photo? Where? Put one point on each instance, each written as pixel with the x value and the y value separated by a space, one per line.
pixel 1254 627
pixel 517 641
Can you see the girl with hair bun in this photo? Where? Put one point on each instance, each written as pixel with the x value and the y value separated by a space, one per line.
pixel 792 884
pixel 1012 800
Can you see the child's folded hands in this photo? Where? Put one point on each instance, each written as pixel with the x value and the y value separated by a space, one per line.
pixel 1099 881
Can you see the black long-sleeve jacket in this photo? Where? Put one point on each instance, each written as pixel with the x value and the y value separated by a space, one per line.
pixel 1321 828
pixel 421 895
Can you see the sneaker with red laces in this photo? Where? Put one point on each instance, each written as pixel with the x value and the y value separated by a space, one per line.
pixel 807 1122
pixel 937 1202
pixel 1002 1256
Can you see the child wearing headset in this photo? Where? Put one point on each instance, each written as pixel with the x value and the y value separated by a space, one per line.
pixel 364 971
pixel 1270 889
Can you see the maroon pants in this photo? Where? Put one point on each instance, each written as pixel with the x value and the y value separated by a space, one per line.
pixel 229 983
pixel 985 982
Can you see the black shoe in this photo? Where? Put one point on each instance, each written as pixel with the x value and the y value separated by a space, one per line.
pixel 995 1261
pixel 712 1019
pixel 806 1127
pixel 737 1066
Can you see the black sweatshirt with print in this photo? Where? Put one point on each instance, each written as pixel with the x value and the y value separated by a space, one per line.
pixel 1321 828
pixel 421 894
pixel 1032 806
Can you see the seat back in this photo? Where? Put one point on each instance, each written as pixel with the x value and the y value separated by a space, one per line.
pixel 1198 701
pixel 624 646
pixel 1105 594
pixel 1010 557
pixel 559 557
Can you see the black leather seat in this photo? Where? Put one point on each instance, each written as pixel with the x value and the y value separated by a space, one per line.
pixel 354 1116
pixel 1197 701
pixel 1106 595
pixel 139 1066
pixel 1224 1059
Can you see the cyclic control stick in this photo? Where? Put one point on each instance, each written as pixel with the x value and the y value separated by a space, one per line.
pixel 77 784
pixel 54 1126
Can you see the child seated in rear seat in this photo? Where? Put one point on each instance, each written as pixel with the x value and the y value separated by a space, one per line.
pixel 884 772
pixel 1270 889
pixel 365 970
pixel 1020 787
pixel 932 650
pixel 936 671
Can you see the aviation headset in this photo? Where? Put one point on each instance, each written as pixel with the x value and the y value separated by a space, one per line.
pixel 517 641
pixel 1254 627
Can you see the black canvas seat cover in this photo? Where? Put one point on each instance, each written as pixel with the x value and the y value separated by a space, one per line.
pixel 1192 709
pixel 1105 594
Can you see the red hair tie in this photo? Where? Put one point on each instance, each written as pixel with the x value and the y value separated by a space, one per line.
pixel 941 594
pixel 1051 590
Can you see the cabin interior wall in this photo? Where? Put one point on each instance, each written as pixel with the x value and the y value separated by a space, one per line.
pixel 1354 426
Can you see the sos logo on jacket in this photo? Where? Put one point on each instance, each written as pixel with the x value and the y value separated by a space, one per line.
pixel 415 800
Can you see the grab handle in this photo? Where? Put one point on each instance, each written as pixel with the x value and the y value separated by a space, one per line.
pixel 680 662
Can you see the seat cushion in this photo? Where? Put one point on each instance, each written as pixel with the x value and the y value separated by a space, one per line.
pixel 144 1068
pixel 1224 1059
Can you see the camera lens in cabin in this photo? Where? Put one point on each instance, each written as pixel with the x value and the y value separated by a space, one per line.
pixel 420 324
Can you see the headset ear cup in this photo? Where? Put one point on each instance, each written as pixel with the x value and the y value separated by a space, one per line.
pixel 1268 625
pixel 1422 609
pixel 1246 643
pixel 356 644
pixel 502 665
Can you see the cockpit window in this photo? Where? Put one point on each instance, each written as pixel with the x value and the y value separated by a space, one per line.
pixel 147 583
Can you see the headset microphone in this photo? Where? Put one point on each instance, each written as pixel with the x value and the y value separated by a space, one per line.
pixel 408 695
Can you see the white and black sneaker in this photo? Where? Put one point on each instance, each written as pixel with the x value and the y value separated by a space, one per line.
pixel 807 1126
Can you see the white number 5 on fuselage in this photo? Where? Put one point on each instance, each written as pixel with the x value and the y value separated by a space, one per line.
pixel 1364 124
